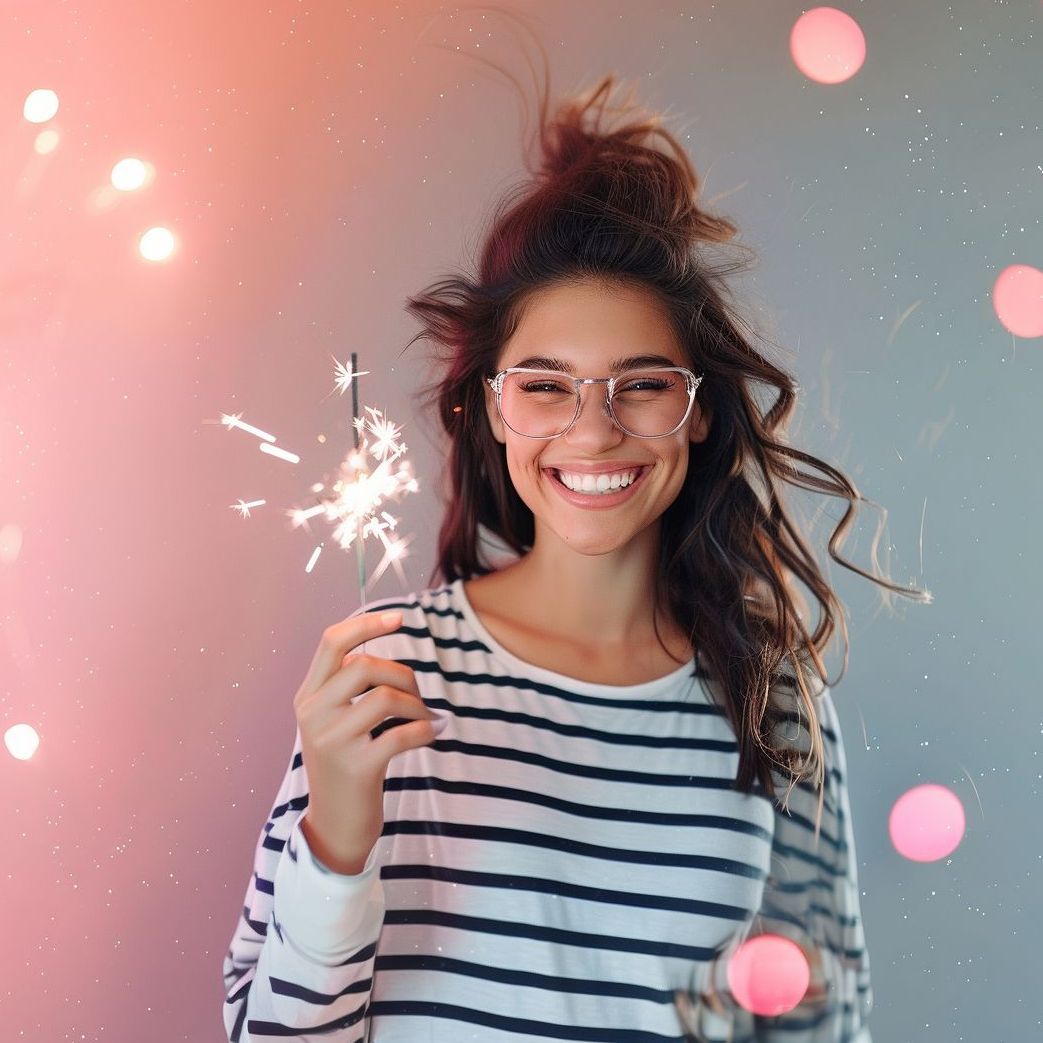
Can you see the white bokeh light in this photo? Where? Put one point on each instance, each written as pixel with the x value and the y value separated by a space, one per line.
pixel 157 244
pixel 46 142
pixel 22 741
pixel 10 543
pixel 40 105
pixel 128 174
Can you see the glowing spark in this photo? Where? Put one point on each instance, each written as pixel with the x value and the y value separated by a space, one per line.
pixel 395 551
pixel 314 558
pixel 344 374
pixel 354 502
pixel 234 421
pixel 299 517
pixel 244 508
pixel 385 432
pixel 283 454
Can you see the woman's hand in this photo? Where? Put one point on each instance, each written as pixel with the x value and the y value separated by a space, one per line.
pixel 345 765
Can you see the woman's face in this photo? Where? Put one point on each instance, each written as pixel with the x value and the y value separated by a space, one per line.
pixel 589 326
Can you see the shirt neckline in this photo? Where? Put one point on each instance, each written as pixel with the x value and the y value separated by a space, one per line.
pixel 539 673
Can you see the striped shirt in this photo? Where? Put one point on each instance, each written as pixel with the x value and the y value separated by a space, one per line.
pixel 567 861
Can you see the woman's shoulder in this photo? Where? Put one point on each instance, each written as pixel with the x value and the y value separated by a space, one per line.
pixel 417 600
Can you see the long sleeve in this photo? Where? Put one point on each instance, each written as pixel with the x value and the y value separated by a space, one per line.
pixel 312 972
pixel 811 896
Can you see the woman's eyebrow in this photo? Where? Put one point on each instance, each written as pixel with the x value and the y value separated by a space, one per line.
pixel 618 365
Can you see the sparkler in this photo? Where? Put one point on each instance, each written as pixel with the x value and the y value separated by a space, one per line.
pixel 355 499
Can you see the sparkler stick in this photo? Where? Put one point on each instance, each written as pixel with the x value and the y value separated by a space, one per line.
pixel 360 559
pixel 373 489
pixel 358 494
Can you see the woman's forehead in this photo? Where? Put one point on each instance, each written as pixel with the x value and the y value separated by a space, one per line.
pixel 583 328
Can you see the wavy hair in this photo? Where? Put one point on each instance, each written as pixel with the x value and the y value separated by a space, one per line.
pixel 609 205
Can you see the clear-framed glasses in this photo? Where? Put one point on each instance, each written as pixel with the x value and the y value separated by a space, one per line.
pixel 645 403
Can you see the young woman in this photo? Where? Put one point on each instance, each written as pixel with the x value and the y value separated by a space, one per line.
pixel 595 825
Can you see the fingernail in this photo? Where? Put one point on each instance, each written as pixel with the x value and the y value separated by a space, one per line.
pixel 439 724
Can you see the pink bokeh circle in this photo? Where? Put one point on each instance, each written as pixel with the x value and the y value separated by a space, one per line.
pixel 768 975
pixel 1017 297
pixel 927 823
pixel 827 45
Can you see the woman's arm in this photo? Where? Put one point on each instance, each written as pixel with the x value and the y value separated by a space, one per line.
pixel 811 896
pixel 301 957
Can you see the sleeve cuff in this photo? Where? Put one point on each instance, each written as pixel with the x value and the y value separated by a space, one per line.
pixel 326 916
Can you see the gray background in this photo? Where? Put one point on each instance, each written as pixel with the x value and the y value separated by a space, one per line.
pixel 321 163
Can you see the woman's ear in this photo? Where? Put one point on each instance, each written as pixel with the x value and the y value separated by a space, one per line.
pixel 495 422
pixel 699 425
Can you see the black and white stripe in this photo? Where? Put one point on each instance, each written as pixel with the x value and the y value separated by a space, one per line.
pixel 564 862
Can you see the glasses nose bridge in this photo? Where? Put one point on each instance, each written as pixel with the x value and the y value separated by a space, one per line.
pixel 580 382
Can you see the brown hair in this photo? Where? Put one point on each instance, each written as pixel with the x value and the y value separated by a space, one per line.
pixel 608 205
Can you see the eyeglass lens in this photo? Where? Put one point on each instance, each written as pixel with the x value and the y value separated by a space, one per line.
pixel 647 403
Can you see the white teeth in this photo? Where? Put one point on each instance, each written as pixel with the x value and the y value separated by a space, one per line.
pixel 602 483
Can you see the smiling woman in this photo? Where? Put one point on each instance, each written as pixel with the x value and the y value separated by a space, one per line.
pixel 597 459
pixel 600 826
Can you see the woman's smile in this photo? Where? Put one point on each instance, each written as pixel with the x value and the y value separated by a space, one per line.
pixel 598 500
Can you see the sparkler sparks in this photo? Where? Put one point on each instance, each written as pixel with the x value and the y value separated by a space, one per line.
pixel 354 502
pixel 355 499
pixel 345 374
pixel 244 508
pixel 234 421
